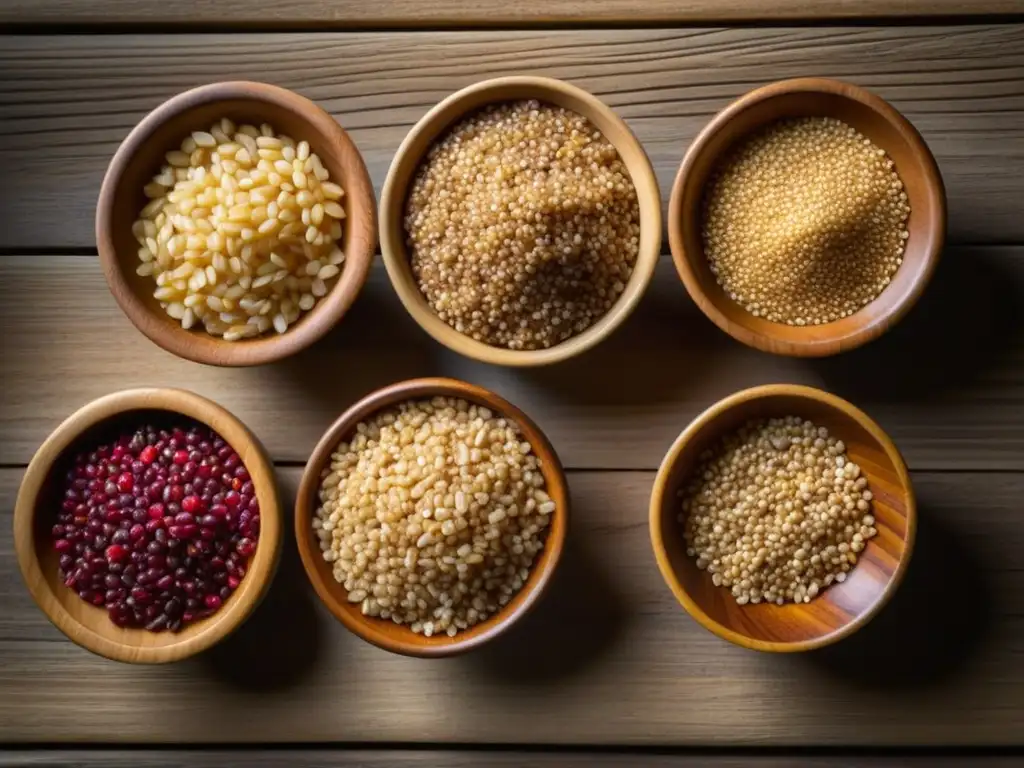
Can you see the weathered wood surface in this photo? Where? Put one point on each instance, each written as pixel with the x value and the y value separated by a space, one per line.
pixel 66 102
pixel 947 383
pixel 420 758
pixel 607 658
pixel 482 13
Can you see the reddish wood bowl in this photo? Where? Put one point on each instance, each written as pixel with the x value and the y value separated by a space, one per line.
pixel 842 608
pixel 35 511
pixel 384 633
pixel 874 118
pixel 139 158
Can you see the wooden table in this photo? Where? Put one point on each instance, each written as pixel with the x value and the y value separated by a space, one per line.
pixel 609 671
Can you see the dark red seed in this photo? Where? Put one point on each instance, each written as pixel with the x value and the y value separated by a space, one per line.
pixel 62 545
pixel 232 499
pixel 136 532
pixel 184 518
pixel 115 552
pixel 192 504
pixel 246 547
pixel 148 455
pixel 213 602
pixel 180 457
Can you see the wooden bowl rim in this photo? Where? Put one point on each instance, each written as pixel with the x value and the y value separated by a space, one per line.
pixel 696 427
pixel 431 126
pixel 679 220
pixel 264 561
pixel 327 312
pixel 412 644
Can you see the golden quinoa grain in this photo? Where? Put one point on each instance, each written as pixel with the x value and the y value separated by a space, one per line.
pixel 432 514
pixel 228 234
pixel 774 512
pixel 805 222
pixel 523 225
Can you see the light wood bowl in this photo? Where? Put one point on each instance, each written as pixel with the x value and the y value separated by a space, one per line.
pixel 840 609
pixel 874 118
pixel 139 158
pixel 384 633
pixel 88 625
pixel 433 126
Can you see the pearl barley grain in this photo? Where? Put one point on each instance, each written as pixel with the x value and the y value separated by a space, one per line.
pixel 776 512
pixel 432 514
pixel 229 232
pixel 523 226
pixel 805 222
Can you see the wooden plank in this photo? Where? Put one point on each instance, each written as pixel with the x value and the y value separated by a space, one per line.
pixel 607 658
pixel 485 13
pixel 950 394
pixel 68 101
pixel 419 758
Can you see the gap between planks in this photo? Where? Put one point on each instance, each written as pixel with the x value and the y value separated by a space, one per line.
pixel 946 383
pixel 68 101
pixel 608 657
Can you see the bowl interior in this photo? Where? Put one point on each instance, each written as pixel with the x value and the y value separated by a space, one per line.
pixel 841 606
pixel 460 106
pixel 89 625
pixel 142 156
pixel 915 165
pixel 384 633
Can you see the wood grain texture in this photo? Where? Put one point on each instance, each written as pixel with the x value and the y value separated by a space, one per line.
pixel 487 13
pixel 67 102
pixel 363 758
pixel 607 658
pixel 949 396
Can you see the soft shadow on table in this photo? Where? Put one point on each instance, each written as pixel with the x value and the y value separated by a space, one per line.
pixel 931 628
pixel 277 647
pixel 375 344
pixel 969 316
pixel 575 623
pixel 665 347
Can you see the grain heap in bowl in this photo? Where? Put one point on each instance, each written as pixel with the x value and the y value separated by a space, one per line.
pixel 776 512
pixel 157 526
pixel 523 225
pixel 241 232
pixel 432 514
pixel 805 222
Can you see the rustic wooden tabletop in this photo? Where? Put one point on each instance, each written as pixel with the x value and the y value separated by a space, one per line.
pixel 608 662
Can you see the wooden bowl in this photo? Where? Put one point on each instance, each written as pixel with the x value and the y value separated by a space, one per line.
pixel 87 625
pixel 874 118
pixel 140 157
pixel 384 633
pixel 453 110
pixel 842 608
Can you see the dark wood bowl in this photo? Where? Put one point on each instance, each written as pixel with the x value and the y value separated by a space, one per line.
pixel 840 609
pixel 384 633
pixel 34 513
pixel 874 118
pixel 433 125
pixel 139 158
